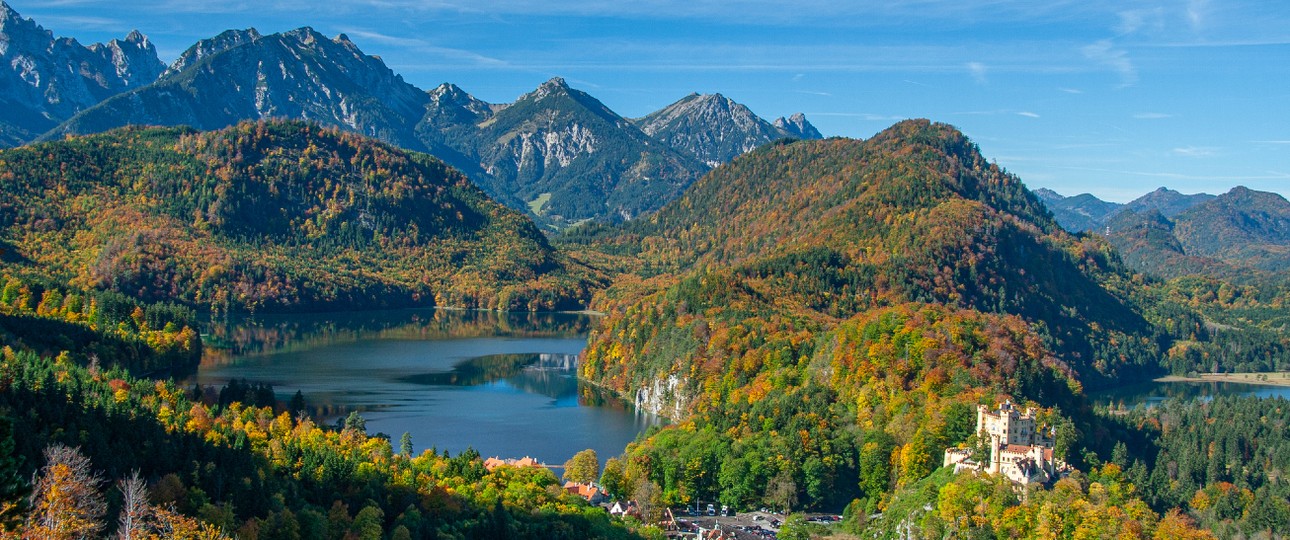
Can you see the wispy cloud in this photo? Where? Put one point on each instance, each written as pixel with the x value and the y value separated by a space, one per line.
pixel 1132 21
pixel 1195 151
pixel 870 117
pixel 997 112
pixel 425 47
pixel 814 93
pixel 1267 175
pixel 1106 54
pixel 1271 142
pixel 1070 90
pixel 1152 116
pixel 1196 13
pixel 80 22
pixel 208 7
pixel 977 70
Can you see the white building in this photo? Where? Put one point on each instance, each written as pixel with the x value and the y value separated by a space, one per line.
pixel 1019 449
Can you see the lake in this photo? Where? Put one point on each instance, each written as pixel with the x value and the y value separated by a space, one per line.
pixel 502 383
pixel 1153 393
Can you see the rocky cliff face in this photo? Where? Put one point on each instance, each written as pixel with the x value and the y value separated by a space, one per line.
pixel 715 129
pixel 45 80
pixel 663 397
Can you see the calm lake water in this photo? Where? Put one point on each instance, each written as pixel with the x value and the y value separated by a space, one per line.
pixel 1153 393
pixel 503 384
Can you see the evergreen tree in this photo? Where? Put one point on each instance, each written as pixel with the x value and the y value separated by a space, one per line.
pixel 13 490
pixel 405 444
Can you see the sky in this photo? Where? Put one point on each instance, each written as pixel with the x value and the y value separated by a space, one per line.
pixel 1109 97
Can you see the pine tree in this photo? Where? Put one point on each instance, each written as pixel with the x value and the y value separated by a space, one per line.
pixel 405 444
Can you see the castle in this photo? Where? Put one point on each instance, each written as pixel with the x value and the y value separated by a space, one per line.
pixel 1018 450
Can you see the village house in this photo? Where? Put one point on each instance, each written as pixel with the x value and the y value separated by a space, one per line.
pixel 1019 449
pixel 624 508
pixel 591 492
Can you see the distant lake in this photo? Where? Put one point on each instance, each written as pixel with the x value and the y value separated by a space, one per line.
pixel 504 384
pixel 1153 393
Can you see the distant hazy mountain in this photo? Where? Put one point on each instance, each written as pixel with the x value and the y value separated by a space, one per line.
pixel 1241 227
pixel 45 80
pixel 1168 202
pixel 1081 212
pixel 715 129
pixel 1240 231
pixel 242 75
pixel 1086 212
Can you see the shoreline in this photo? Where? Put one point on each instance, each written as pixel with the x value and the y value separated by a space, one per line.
pixel 1274 378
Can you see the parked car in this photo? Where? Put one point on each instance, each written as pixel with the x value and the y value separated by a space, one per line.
pixel 712 510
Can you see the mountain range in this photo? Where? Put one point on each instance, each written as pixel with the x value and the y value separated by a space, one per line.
pixel 1085 212
pixel 1170 234
pixel 555 153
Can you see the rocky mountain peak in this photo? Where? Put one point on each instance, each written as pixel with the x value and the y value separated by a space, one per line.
pixel 553 87
pixel 449 101
pixel 134 59
pixel 714 128
pixel 226 40
pixel 797 126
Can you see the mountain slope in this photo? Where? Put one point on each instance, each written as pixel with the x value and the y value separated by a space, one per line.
pixel 272 216
pixel 715 129
pixel 45 80
pixel 837 227
pixel 242 75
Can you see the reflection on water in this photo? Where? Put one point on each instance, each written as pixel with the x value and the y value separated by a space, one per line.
pixel 504 384
pixel 229 337
pixel 1151 394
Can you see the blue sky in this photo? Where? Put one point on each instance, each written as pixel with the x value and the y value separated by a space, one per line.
pixel 1111 97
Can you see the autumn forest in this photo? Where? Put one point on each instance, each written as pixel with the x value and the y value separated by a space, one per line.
pixel 817 319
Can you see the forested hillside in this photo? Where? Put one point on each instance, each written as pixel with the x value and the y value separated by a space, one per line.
pixel 824 317
pixel 273 216
pixel 830 229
